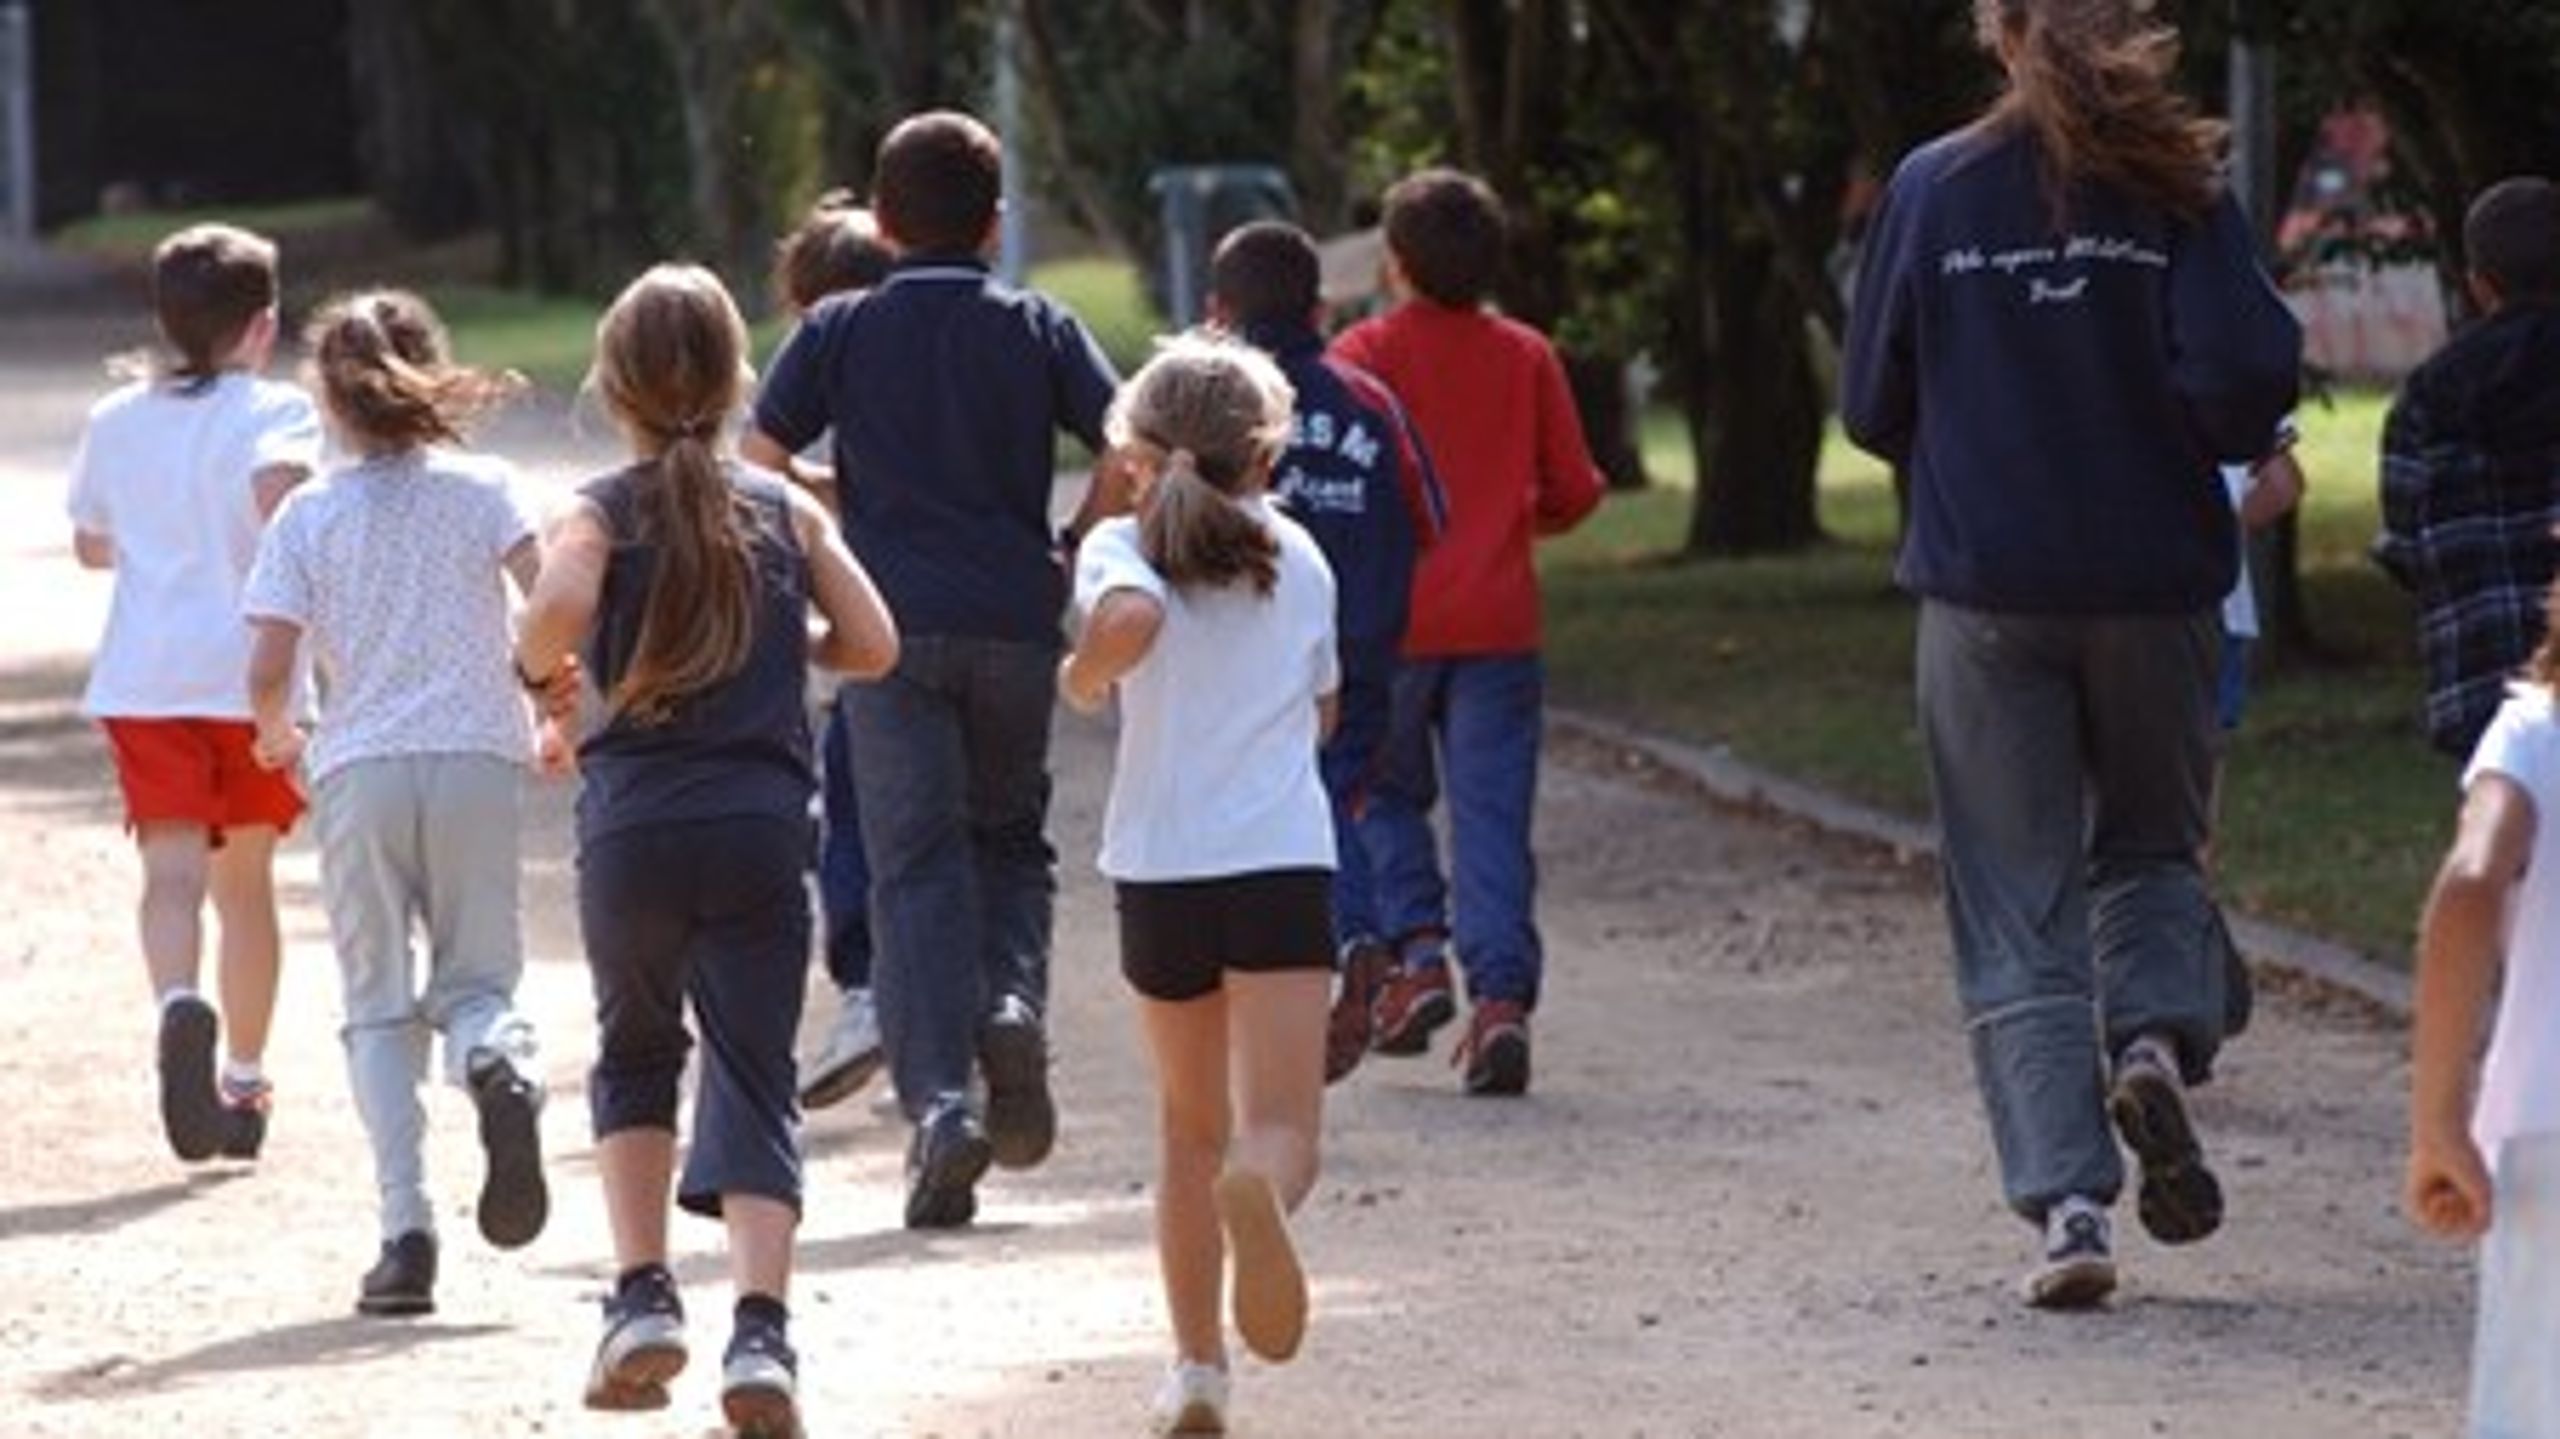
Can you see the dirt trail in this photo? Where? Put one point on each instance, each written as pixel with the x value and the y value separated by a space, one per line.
pixel 1750 1194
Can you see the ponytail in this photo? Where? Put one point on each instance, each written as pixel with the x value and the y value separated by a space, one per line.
pixel 1193 534
pixel 2092 81
pixel 382 365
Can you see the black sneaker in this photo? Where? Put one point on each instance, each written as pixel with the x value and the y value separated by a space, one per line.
pixel 1013 1053
pixel 244 1117
pixel 190 1106
pixel 760 1382
pixel 514 1201
pixel 403 1281
pixel 2180 1201
pixel 643 1344
pixel 946 1159
pixel 2078 1270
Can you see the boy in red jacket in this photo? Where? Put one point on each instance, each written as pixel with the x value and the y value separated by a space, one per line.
pixel 1489 400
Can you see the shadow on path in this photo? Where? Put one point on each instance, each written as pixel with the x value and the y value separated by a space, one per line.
pixel 110 1211
pixel 351 1339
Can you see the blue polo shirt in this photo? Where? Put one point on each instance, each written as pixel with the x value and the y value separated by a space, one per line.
pixel 945 389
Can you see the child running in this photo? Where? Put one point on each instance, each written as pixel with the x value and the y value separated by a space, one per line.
pixel 1212 615
pixel 687 578
pixel 2486 1165
pixel 176 474
pixel 393 568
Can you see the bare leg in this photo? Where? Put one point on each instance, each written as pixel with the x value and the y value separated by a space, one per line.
pixel 244 899
pixel 760 1233
pixel 638 1166
pixel 1189 1043
pixel 175 866
pixel 1276 1025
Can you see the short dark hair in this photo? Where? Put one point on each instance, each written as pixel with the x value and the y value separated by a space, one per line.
pixel 937 180
pixel 2512 235
pixel 1266 273
pixel 835 249
pixel 1445 229
pixel 207 283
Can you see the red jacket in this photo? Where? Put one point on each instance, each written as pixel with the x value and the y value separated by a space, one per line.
pixel 1488 397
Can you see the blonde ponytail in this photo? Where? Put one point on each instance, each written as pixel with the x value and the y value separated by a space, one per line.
pixel 1213 413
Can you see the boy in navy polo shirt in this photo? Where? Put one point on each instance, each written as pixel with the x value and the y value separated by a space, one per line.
pixel 945 388
pixel 1356 478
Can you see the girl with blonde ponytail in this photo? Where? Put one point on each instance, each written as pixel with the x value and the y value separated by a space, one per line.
pixel 2061 331
pixel 687 578
pixel 1211 616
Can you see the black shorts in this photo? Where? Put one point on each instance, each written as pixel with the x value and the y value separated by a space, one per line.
pixel 1178 936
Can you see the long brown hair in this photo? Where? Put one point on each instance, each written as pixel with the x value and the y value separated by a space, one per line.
pixel 382 364
pixel 671 366
pixel 2092 81
pixel 1211 414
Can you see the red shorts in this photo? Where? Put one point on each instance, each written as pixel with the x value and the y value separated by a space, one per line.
pixel 199 771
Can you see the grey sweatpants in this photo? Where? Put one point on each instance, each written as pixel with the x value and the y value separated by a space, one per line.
pixel 2071 757
pixel 409 842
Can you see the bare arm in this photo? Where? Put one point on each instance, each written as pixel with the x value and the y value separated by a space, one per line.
pixel 2276 486
pixel 860 638
pixel 566 589
pixel 2459 941
pixel 1121 632
pixel 94 550
pixel 524 563
pixel 270 485
pixel 273 647
pixel 1328 713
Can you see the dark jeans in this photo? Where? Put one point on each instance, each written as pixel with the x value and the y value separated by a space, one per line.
pixel 1349 763
pixel 954 791
pixel 844 877
pixel 713 911
pixel 1470 725
pixel 2071 758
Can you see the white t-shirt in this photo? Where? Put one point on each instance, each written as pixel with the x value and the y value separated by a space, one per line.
pixel 166 475
pixel 1216 774
pixel 394 570
pixel 2520 1081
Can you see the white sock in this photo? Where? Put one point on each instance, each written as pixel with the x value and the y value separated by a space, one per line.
pixel 177 992
pixel 243 1076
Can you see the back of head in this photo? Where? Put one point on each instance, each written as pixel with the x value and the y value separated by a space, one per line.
pixel 671 366
pixel 937 181
pixel 2512 237
pixel 1444 228
pixel 836 249
pixel 1210 414
pixel 382 366
pixel 2093 82
pixel 1266 273
pixel 208 284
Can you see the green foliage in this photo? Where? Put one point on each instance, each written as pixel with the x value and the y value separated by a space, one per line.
pixel 1106 294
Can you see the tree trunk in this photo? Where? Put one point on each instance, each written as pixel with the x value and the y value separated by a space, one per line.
pixel 412 159
pixel 1316 160
pixel 1758 433
pixel 1045 84
pixel 1610 420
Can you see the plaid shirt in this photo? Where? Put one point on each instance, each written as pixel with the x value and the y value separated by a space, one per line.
pixel 2470 491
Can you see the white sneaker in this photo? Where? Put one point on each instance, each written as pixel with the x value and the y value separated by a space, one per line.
pixel 2077 1269
pixel 1192 1400
pixel 851 1055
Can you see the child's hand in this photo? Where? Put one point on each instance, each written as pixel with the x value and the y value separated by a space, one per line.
pixel 556 696
pixel 2448 1186
pixel 1080 695
pixel 278 745
pixel 555 750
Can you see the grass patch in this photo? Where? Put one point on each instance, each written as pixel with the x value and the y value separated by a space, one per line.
pixel 2334 809
pixel 131 238
pixel 1105 293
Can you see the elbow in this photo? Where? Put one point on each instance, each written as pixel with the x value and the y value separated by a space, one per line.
pixel 877 658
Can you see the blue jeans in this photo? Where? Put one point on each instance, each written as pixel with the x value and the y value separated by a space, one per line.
pixel 2071 757
pixel 954 792
pixel 844 877
pixel 1349 763
pixel 1469 725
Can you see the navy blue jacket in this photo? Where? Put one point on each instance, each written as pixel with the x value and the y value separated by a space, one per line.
pixel 946 389
pixel 1356 477
pixel 2061 399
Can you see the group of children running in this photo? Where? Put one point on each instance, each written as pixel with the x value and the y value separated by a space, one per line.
pixel 1307 637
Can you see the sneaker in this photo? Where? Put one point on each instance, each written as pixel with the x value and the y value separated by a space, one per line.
pixel 760 1382
pixel 2078 1270
pixel 403 1281
pixel 514 1201
pixel 946 1159
pixel 1192 1400
pixel 1353 1022
pixel 190 1106
pixel 1013 1054
pixel 1496 1049
pixel 2180 1201
pixel 643 1344
pixel 1413 1002
pixel 244 1116
pixel 1269 1295
pixel 851 1055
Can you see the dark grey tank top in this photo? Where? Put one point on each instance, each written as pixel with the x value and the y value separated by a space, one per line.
pixel 739 749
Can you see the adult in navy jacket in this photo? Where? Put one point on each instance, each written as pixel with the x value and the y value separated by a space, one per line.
pixel 2060 329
